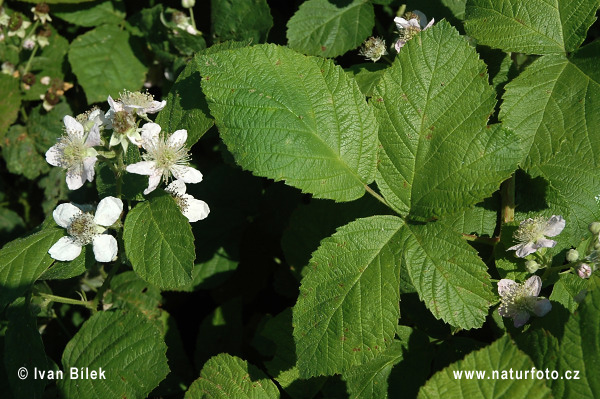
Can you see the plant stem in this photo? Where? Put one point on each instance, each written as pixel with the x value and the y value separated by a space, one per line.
pixel 28 65
pixel 56 298
pixel 484 240
pixel 507 191
pixel 192 17
pixel 104 287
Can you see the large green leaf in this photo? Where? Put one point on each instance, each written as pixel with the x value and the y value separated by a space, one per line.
pixel 10 102
pixel 19 152
pixel 569 344
pixel 533 26
pixel 226 376
pixel 240 20
pixel 500 357
pixel 347 310
pixel 23 261
pixel 294 118
pixel 432 105
pixel 556 101
pixel 24 349
pixel 330 28
pixel 91 14
pixel 105 63
pixel 159 243
pixel 186 106
pixel 126 346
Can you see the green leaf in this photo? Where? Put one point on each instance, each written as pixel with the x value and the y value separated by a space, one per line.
pixel 479 220
pixel 226 376
pixel 438 155
pixel 213 272
pixel 105 63
pixel 447 273
pixel 126 346
pixel 367 76
pixel 23 261
pixel 500 356
pixel 566 289
pixel 20 153
pixel 76 267
pixel 10 102
pixel 347 309
pixel 532 27
pixel 539 107
pixel 24 348
pixel 295 118
pixel 186 106
pixel 241 20
pixel 129 292
pixel 44 128
pixel 11 225
pixel 278 331
pixel 91 14
pixel 311 223
pixel 58 1
pixel 159 242
pixel 330 28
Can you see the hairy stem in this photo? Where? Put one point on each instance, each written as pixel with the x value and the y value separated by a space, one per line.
pixel 60 299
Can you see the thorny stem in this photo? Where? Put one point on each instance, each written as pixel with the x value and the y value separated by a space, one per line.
pixel 56 298
pixel 507 191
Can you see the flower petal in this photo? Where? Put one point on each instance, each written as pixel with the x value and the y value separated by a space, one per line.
pixel 53 156
pixel 142 168
pixel 153 181
pixel 521 318
pixel 150 132
pixel 401 23
pixel 177 139
pixel 429 24
pixel 543 243
pixel 542 307
pixel 65 249
pixel 523 249
pixel 399 44
pixel 533 285
pixel 105 247
pixel 64 213
pixel 88 167
pixel 72 126
pixel 195 209
pixel 75 180
pixel 176 187
pixel 155 107
pixel 93 138
pixel 556 224
pixel 506 285
pixel 115 105
pixel 108 211
pixel 186 173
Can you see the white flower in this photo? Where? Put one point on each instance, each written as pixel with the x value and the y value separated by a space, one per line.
pixel 407 28
pixel 520 300
pixel 191 208
pixel 45 80
pixel 75 153
pixel 136 102
pixel 164 156
pixel 531 234
pixel 29 43
pixel 21 30
pixel 85 228
pixel 40 11
pixel 373 49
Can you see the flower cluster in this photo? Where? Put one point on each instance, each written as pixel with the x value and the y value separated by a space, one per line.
pixel 409 25
pixel 94 136
pixel 373 49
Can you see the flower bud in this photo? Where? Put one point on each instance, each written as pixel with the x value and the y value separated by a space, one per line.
pixel 594 227
pixel 188 3
pixel 584 270
pixel 532 266
pixel 572 255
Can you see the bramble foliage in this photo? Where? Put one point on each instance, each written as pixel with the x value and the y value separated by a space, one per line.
pixel 224 199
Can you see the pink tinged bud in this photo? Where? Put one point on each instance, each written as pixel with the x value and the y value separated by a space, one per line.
pixel 584 270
